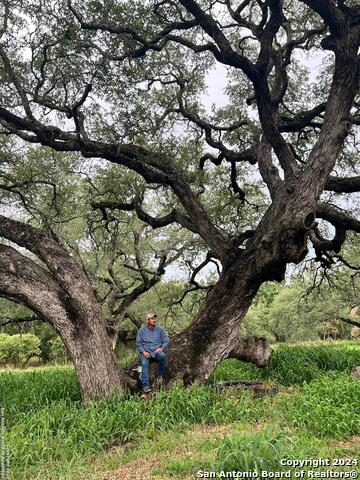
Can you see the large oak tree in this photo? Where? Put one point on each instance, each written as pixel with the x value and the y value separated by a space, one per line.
pixel 121 81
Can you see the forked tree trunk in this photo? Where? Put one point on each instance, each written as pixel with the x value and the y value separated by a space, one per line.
pixel 212 336
pixel 62 295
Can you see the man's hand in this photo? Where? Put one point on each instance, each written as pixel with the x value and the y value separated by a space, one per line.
pixel 158 350
pixel 146 354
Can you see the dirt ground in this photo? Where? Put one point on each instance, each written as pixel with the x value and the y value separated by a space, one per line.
pixel 141 469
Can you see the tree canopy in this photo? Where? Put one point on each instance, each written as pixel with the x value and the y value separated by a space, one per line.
pixel 257 181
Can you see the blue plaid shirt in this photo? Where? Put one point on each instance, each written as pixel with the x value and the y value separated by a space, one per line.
pixel 149 339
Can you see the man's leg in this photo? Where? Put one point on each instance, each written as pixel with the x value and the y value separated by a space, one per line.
pixel 144 372
pixel 160 357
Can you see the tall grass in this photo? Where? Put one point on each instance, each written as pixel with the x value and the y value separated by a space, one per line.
pixel 264 449
pixel 25 392
pixel 329 406
pixel 47 424
pixel 60 429
pixel 295 364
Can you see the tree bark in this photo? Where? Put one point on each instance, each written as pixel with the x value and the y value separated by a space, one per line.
pixel 280 238
pixel 96 366
pixel 254 350
pixel 82 330
pixel 212 336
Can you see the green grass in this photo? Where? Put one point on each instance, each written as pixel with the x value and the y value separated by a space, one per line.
pixel 52 436
pixel 27 391
pixel 329 406
pixel 264 450
pixel 58 430
pixel 253 449
pixel 295 364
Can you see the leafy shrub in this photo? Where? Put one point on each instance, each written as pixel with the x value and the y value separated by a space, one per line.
pixel 57 351
pixel 18 348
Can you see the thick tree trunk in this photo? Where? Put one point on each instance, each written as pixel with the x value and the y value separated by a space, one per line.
pixel 79 324
pixel 280 238
pixel 95 363
pixel 212 336
pixel 255 350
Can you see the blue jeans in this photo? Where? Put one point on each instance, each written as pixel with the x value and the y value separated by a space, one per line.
pixel 160 357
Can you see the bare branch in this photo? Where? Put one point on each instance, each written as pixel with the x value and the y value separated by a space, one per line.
pixel 25 282
pixel 301 120
pixel 323 245
pixel 64 268
pixel 134 320
pixel 337 217
pixel 227 54
pixel 348 320
pixel 175 216
pixel 14 78
pixel 268 171
pixel 8 321
pixel 343 184
pixel 208 128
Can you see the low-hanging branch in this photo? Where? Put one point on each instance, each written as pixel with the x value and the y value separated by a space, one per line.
pixel 27 283
pixel 349 321
pixel 337 217
pixel 343 184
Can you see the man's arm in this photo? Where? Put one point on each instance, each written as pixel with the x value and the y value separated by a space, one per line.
pixel 164 339
pixel 139 341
